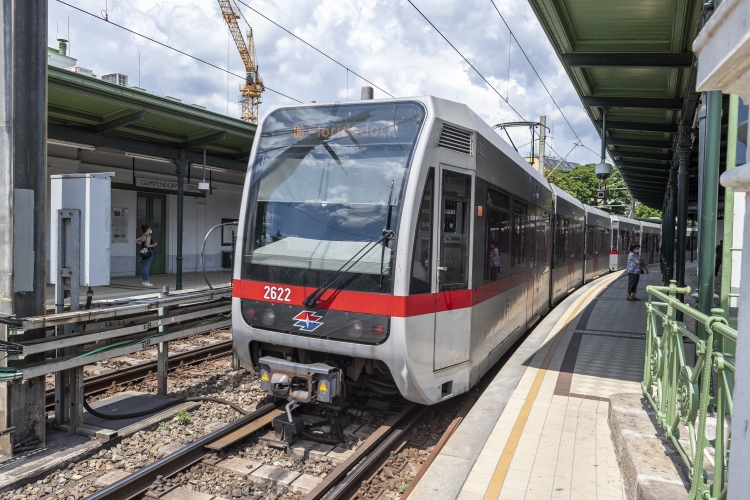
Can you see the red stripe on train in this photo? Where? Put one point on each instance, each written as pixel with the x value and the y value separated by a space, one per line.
pixel 614 252
pixel 377 303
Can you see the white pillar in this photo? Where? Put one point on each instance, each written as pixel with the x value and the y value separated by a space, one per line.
pixel 723 48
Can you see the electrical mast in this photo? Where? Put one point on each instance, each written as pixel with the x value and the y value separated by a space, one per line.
pixel 253 88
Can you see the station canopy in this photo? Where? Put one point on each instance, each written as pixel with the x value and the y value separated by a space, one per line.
pixel 633 57
pixel 93 112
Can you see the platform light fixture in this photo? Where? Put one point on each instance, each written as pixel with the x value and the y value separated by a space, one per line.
pixel 148 157
pixel 69 144
pixel 208 167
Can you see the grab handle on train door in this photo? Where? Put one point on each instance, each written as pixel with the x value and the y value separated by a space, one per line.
pixel 442 268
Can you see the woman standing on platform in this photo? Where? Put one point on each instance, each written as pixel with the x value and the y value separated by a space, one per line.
pixel 635 269
pixel 145 253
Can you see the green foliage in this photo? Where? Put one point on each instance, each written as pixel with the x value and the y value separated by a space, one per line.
pixel 582 184
pixel 402 489
pixel 183 418
pixel 163 426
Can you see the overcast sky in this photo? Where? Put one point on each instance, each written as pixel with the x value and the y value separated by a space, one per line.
pixel 385 41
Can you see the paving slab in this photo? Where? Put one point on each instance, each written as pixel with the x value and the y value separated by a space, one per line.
pixel 305 483
pixel 239 465
pixel 182 493
pixel 111 477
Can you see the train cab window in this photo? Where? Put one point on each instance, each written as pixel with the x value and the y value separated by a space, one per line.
pixel 497 258
pixel 421 268
pixel 454 242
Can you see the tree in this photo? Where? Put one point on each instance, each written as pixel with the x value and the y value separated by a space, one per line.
pixel 582 184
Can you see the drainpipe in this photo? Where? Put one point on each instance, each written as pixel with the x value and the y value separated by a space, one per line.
pixel 708 206
pixel 180 206
pixel 684 149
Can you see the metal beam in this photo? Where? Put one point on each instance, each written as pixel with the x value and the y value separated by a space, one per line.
pixel 120 122
pixel 645 174
pixel 641 156
pixel 74 135
pixel 667 128
pixel 202 141
pixel 633 102
pixel 681 60
pixel 639 144
pixel 660 167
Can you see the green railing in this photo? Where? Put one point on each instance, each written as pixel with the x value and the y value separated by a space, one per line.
pixel 681 391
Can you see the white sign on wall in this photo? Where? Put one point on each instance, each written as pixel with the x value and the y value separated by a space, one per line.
pixel 119 225
pixel 145 182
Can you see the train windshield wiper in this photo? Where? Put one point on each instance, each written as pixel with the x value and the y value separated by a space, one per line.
pixel 386 235
pixel 313 298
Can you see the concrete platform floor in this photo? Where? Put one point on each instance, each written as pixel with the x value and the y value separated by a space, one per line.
pixel 60 449
pixel 131 286
pixel 540 429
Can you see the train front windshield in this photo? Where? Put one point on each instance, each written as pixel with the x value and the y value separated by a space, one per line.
pixel 321 183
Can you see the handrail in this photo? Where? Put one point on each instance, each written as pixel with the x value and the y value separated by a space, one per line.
pixel 680 393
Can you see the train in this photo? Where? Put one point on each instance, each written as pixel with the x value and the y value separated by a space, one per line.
pixel 401 246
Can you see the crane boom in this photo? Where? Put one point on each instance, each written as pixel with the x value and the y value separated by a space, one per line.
pixel 253 88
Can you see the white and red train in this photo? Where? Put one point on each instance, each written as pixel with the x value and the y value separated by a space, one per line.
pixel 401 246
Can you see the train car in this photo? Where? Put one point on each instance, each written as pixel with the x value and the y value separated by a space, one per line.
pixel 598 237
pixel 400 245
pixel 624 232
pixel 567 259
pixel 651 242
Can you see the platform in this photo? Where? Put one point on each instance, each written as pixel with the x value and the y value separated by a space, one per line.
pixel 540 430
pixel 125 287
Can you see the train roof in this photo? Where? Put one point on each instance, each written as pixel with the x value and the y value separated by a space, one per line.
pixel 623 219
pixel 561 193
pixel 597 211
pixel 651 224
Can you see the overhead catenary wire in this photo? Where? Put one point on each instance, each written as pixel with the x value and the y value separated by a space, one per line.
pixel 468 62
pixel 169 47
pixel 313 47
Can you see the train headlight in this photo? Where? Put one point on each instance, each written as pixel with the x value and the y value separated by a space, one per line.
pixel 378 330
pixel 354 328
pixel 267 316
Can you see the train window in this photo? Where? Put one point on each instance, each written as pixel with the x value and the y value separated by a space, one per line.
pixel 518 253
pixel 455 184
pixel 543 242
pixel 590 244
pixel 421 268
pixel 496 199
pixel 498 245
pixel 454 251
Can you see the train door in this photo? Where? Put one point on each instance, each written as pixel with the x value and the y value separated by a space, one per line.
pixel 453 318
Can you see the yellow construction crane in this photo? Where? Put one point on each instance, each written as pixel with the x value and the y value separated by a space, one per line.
pixel 253 88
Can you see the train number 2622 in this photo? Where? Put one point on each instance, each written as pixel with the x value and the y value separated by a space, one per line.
pixel 277 293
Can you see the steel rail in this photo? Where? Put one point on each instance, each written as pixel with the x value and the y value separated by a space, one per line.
pixel 100 383
pixel 138 482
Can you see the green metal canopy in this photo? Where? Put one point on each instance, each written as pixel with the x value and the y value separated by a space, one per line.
pixel 634 58
pixel 88 110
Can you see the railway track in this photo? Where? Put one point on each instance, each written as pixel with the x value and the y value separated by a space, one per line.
pixel 100 383
pixel 356 477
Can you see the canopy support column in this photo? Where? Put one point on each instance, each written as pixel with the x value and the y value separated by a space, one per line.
pixel 683 177
pixel 181 167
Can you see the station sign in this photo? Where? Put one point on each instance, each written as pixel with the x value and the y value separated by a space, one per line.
pixel 145 182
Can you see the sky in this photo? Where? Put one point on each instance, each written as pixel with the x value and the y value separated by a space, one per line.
pixel 386 41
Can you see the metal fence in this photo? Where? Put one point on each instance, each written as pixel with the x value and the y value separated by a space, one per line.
pixel 685 394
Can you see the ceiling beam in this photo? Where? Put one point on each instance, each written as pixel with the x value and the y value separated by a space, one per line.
pixel 633 102
pixel 202 141
pixel 644 174
pixel 640 156
pixel 615 60
pixel 120 122
pixel 80 136
pixel 667 128
pixel 636 143
pixel 643 166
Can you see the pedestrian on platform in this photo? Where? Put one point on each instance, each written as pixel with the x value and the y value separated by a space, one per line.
pixel 719 257
pixel 636 267
pixel 145 253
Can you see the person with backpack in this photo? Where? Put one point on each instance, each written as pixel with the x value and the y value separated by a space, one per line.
pixel 145 252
